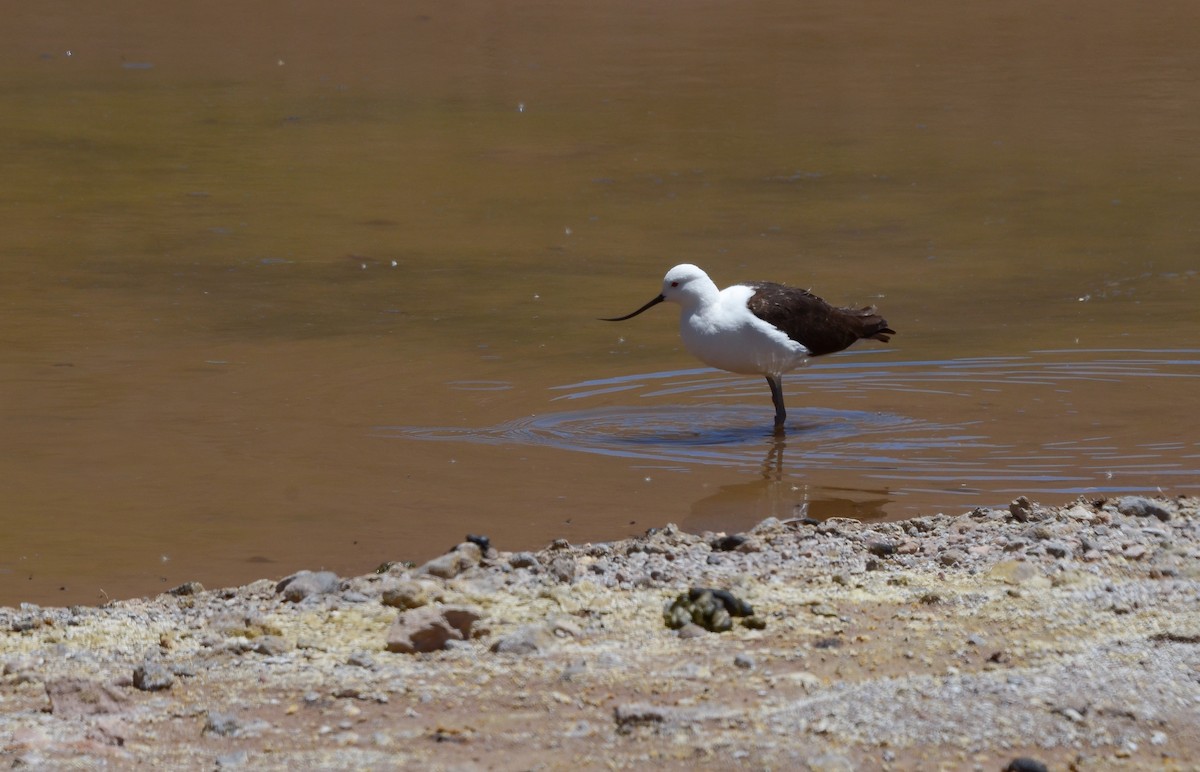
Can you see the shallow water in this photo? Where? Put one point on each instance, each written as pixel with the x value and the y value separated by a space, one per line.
pixel 896 462
pixel 291 286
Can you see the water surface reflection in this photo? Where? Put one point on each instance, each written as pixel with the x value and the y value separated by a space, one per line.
pixel 995 444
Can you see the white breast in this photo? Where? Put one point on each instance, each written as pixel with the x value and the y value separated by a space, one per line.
pixel 727 336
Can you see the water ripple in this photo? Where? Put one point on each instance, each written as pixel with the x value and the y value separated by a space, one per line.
pixel 961 425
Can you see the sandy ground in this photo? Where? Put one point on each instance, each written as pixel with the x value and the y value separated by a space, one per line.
pixel 1068 636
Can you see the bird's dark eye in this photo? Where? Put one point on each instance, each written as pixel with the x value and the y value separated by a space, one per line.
pixel 674 284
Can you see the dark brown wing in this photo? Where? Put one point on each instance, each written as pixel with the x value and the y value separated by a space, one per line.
pixel 810 321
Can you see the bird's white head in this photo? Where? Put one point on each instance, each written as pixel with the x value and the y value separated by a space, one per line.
pixel 685 284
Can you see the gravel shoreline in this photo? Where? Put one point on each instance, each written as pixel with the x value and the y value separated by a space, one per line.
pixel 1067 636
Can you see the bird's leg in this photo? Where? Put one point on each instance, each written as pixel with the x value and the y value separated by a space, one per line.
pixel 776 384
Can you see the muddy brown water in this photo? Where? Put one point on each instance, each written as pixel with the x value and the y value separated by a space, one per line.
pixel 300 285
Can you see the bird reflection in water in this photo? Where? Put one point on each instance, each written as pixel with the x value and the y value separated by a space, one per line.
pixel 783 495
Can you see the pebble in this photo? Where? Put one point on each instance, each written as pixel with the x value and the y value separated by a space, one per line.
pixel 1139 506
pixel 186 589
pixel 1056 549
pixel 305 584
pixel 429 628
pixel 465 556
pixel 951 557
pixel 405 594
pixel 524 560
pixel 729 543
pixel 881 548
pixel 1025 764
pixel 1013 571
pixel 152 677
pixel 527 639
pixel 1021 509
pixel 223 724
pixel 563 568
pixel 361 659
pixel 1134 552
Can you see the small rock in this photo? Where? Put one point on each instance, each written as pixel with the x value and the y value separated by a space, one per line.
pixel 629 717
pixel 1039 532
pixel 744 661
pixel 185 589
pixel 1080 512
pixel 305 584
pixel 405 594
pixel 223 724
pixel 152 677
pixel 464 556
pixel 1072 715
pixel 1139 506
pixel 1134 552
pixel 1057 549
pixel 562 567
pixel 361 659
pixel 951 557
pixel 750 545
pixel 882 549
pixel 429 628
pixel 247 624
pixel 524 560
pixel 527 639
pixel 1025 764
pixel 729 543
pixel 1020 509
pixel 829 527
pixel 691 630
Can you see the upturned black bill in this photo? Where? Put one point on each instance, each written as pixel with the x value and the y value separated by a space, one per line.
pixel 654 302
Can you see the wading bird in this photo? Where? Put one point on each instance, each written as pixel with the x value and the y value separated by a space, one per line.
pixel 760 328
